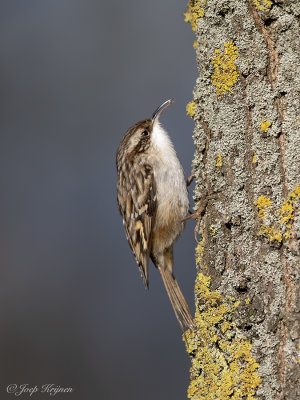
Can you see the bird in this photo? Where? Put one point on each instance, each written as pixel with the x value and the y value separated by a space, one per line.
pixel 153 202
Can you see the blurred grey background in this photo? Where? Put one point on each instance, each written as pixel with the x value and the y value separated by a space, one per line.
pixel 74 76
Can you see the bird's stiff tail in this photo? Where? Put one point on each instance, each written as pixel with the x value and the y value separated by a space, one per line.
pixel 178 302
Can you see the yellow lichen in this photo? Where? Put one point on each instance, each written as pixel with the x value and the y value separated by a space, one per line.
pixel 271 232
pixel 219 161
pixel 262 5
pixel 194 11
pixel 200 247
pixel 277 224
pixel 254 157
pixel 265 125
pixel 286 212
pixel 226 72
pixel 195 44
pixel 191 108
pixel 223 367
pixel 262 202
pixel 248 300
pixel 212 231
pixel 190 339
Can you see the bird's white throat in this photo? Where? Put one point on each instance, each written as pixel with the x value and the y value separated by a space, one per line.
pixel 162 142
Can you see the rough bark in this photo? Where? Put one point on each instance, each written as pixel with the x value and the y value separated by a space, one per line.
pixel 247 138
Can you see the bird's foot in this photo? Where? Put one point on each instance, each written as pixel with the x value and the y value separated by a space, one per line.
pixel 200 211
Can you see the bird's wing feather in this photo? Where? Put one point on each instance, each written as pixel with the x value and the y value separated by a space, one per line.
pixel 138 208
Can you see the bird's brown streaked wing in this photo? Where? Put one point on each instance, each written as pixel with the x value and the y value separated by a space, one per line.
pixel 138 207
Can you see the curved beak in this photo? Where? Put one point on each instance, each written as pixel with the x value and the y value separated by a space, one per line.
pixel 160 109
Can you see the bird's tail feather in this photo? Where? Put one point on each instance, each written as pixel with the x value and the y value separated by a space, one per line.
pixel 177 299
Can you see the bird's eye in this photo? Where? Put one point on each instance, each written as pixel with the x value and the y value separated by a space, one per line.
pixel 145 133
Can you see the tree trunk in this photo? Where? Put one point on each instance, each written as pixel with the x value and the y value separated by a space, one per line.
pixel 247 137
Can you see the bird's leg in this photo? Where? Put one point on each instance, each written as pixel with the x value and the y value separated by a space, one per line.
pixel 201 209
pixel 191 177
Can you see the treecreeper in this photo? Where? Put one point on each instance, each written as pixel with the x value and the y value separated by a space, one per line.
pixel 153 201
